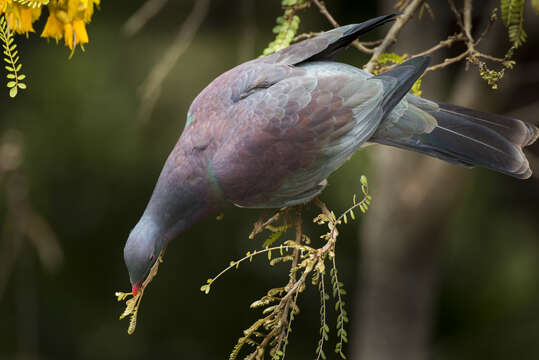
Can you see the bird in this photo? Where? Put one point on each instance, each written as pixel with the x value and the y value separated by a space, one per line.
pixel 269 132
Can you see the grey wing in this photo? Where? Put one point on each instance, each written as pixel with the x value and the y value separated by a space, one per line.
pixel 326 45
pixel 287 138
pixel 363 103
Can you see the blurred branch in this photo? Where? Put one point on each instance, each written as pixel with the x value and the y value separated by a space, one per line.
pixel 142 16
pixel 22 220
pixel 32 225
pixel 246 46
pixel 10 250
pixel 151 87
pixel 324 11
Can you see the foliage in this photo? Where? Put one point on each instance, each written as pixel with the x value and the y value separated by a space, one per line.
pixel 513 18
pixel 392 58
pixel 269 334
pixel 133 304
pixel 287 26
pixel 11 57
pixel 67 19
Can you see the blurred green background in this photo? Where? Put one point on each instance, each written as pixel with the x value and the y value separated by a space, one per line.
pixel 90 166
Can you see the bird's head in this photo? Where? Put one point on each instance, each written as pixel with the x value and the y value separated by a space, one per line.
pixel 142 250
pixel 183 195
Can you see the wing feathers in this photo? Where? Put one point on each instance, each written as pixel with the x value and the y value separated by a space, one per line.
pixel 326 45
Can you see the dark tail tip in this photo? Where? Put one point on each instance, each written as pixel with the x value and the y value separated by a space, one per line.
pixel 473 138
pixel 533 134
pixel 366 26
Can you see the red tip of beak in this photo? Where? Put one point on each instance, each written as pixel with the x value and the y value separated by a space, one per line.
pixel 135 288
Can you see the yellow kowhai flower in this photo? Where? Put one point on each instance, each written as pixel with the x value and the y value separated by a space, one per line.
pixel 68 19
pixel 53 28
pixel 4 5
pixel 75 33
pixel 81 9
pixel 19 17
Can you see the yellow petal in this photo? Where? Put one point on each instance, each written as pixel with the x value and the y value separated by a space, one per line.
pixel 69 35
pixel 3 5
pixel 73 7
pixel 53 28
pixel 19 19
pixel 89 10
pixel 36 13
pixel 80 32
pixel 61 15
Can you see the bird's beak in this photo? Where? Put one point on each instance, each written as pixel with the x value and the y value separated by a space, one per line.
pixel 135 288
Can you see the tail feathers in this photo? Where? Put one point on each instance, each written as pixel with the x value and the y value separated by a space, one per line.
pixel 518 132
pixel 472 138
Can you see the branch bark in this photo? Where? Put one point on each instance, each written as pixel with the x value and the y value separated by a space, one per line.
pixel 393 33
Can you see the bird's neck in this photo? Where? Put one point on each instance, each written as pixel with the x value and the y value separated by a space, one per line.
pixel 183 195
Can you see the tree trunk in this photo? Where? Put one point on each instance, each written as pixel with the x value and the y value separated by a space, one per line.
pixel 401 237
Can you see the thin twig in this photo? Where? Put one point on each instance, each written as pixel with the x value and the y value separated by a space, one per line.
pixel 457 14
pixel 294 265
pixel 261 225
pixel 284 301
pixel 489 57
pixel 142 16
pixel 371 43
pixel 467 16
pixel 393 33
pixel 442 44
pixel 324 11
pixel 447 62
pixel 323 315
pixel 491 21
pixel 305 36
pixel 246 46
pixel 151 88
pixel 468 21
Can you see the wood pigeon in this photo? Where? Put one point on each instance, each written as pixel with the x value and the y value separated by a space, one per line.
pixel 268 133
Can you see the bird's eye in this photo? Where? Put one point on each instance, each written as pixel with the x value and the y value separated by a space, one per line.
pixel 151 258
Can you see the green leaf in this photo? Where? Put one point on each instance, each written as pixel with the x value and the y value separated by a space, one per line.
pixel 13 92
pixel 513 18
pixel 21 85
pixel 363 180
pixel 11 84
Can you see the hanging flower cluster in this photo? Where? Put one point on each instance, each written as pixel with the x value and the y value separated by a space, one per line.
pixel 67 18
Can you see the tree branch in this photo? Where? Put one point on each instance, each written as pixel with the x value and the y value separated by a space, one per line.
pixel 324 11
pixel 151 88
pixel 142 16
pixel 393 33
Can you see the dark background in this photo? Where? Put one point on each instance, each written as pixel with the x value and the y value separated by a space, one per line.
pixel 90 167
